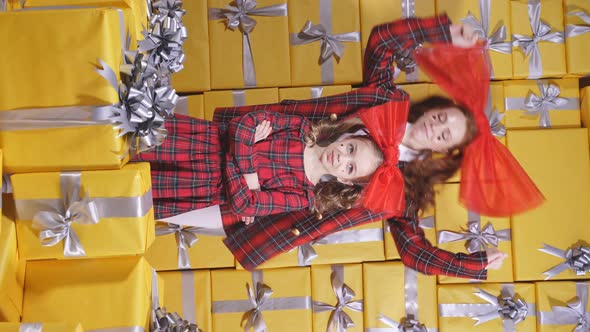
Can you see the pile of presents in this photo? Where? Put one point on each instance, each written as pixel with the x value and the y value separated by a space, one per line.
pixel 87 83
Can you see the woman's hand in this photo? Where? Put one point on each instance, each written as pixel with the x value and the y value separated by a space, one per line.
pixel 463 35
pixel 262 131
pixel 495 258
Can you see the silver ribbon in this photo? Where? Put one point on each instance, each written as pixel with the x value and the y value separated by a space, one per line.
pixel 573 30
pixel 405 61
pixel 2 5
pixel 331 44
pixel 187 283
pixel 574 313
pixel 163 321
pixel 530 44
pixel 239 16
pixel 30 327
pixel 509 307
pixel 476 238
pixel 576 259
pixel 339 320
pixel 238 98
pixel 494 117
pixel 316 92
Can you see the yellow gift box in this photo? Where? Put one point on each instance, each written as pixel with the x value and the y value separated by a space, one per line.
pixel 375 12
pixel 426 222
pixel 462 306
pixel 558 162
pixel 389 288
pixel 585 106
pixel 44 327
pixel 192 105
pixel 419 91
pixel 98 293
pixel 566 114
pixel 551 55
pixel 497 16
pixel 287 309
pixel 208 252
pixel 560 304
pixel 577 44
pixel 195 76
pixel 453 217
pixel 339 20
pixel 124 205
pixel 235 98
pixel 267 44
pixel 189 294
pixel 11 274
pixel 304 93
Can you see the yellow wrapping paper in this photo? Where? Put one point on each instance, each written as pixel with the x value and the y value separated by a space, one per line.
pixel 229 288
pixel 98 293
pixel 557 294
pixel 111 236
pixel 577 46
pixel 499 15
pixel 46 327
pixel 417 92
pixel 322 291
pixel 384 293
pixel 552 54
pixel 585 107
pixel 567 116
pixel 337 17
pixel 270 49
pixel 452 216
pixel 464 294
pixel 427 218
pixel 11 274
pixel 192 105
pixel 189 294
pixel 375 12
pixel 304 93
pixel 216 99
pixel 557 161
pixel 208 252
pixel 196 73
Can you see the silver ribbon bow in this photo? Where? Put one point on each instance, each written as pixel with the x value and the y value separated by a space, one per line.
pixel 476 238
pixel 56 225
pixel 574 313
pixel 576 259
pixel 407 324
pixel 339 320
pixel 331 44
pixel 530 44
pixel 573 30
pixel 540 105
pixel 253 318
pixel 496 41
pixel 238 16
pixel 171 322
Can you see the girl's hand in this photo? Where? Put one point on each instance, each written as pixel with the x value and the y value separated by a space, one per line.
pixel 463 35
pixel 247 220
pixel 262 131
pixel 495 258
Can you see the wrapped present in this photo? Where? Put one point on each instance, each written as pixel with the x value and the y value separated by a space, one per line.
pixel 325 42
pixel 577 36
pixel 11 274
pixel 541 153
pixel 562 306
pixel 40 327
pixel 92 219
pixel 419 91
pixel 398 296
pixel 277 300
pixel 337 292
pixel 426 222
pixel 488 307
pixel 585 107
pixel 537 28
pixel 304 93
pixel 375 12
pixel 73 291
pixel 489 23
pixel 248 43
pixel 179 247
pixel 542 103
pixel 192 105
pixel 214 99
pixel 189 294
pixel 460 230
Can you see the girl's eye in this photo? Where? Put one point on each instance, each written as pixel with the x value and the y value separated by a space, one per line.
pixel 350 148
pixel 349 168
pixel 442 117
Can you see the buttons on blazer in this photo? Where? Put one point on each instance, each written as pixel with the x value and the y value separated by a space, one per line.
pixel 333 117
pixel 295 231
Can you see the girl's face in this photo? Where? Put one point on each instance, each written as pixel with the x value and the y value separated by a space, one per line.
pixel 439 130
pixel 349 158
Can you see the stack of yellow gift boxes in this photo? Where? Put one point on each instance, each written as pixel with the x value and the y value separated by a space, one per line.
pixel 78 240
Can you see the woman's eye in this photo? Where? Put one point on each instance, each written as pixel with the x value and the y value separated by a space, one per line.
pixel 349 168
pixel 350 148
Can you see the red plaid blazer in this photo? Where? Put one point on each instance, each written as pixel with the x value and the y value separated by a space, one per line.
pixel 269 236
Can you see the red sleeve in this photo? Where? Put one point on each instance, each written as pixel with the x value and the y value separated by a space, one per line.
pixel 398 38
pixel 417 253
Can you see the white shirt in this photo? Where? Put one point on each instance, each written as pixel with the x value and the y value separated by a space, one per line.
pixel 406 153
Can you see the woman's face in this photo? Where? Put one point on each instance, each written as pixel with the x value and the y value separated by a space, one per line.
pixel 349 158
pixel 439 130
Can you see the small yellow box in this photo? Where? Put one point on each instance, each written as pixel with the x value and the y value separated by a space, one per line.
pixel 235 98
pixel 557 295
pixel 577 45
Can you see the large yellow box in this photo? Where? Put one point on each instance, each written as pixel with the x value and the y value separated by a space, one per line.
pixel 123 199
pixel 192 105
pixel 558 163
pixel 459 305
pixel 189 294
pixel 375 12
pixel 452 216
pixel 304 93
pixel 235 98
pixel 288 309
pixel 426 222
pixel 577 45
pixel 337 18
pixel 12 276
pixel 558 295
pixel 562 91
pixel 552 54
pixel 497 18
pixel 268 40
pixel 45 327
